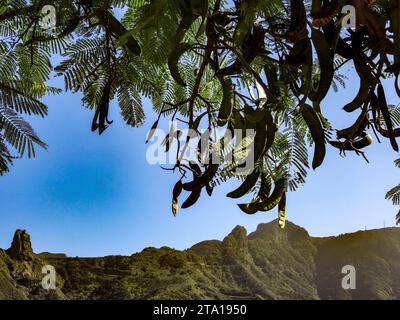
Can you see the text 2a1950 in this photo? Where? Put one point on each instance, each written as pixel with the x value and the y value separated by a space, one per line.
pixel 210 309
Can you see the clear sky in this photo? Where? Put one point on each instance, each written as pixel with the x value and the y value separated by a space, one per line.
pixel 92 196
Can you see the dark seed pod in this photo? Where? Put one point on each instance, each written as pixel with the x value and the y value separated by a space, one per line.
pixel 195 168
pixel 152 131
pixel 209 189
pixel 203 180
pixel 324 14
pixel 175 195
pixel 282 211
pixel 298 22
pixel 192 199
pixel 317 132
pixel 394 68
pixel 359 144
pixel 356 129
pixel 100 119
pixel 246 186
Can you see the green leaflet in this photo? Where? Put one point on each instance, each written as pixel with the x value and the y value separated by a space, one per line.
pixel 225 109
pixel 246 186
pixel 317 132
pixel 358 101
pixel 173 61
pixel 325 57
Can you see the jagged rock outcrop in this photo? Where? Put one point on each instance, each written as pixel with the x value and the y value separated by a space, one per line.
pixel 237 238
pixel 21 272
pixel 21 247
pixel 268 263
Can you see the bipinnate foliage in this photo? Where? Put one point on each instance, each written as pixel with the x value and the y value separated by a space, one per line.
pixel 394 194
pixel 265 65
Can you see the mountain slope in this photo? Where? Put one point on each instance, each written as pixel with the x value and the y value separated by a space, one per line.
pixel 269 263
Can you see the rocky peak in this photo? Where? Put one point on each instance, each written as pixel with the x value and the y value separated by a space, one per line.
pixel 239 232
pixel 272 231
pixel 237 237
pixel 21 247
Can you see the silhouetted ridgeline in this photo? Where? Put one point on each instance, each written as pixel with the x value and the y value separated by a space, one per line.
pixel 267 264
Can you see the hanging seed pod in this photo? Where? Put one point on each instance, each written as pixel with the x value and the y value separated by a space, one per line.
pixel 100 119
pixel 175 195
pixel 267 204
pixel 152 131
pixel 282 212
pixel 192 199
pixel 364 141
pixel 225 109
pixel 317 132
pixel 173 62
pixel 325 58
pixel 246 186
pixel 298 21
pixel 209 189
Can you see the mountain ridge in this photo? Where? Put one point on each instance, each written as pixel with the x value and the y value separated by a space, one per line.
pixel 268 263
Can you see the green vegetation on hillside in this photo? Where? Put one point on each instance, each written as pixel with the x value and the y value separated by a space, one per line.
pixel 266 264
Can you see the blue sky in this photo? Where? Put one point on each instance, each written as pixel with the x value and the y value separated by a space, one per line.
pixel 92 196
